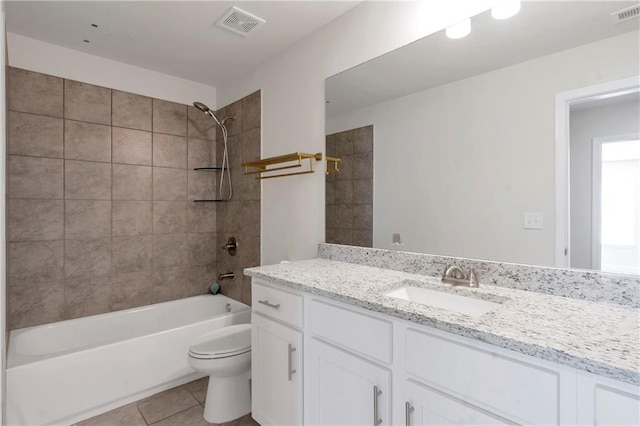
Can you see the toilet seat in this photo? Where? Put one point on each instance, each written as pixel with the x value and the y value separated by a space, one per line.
pixel 222 343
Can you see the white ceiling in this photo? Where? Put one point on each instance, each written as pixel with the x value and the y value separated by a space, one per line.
pixel 178 38
pixel 540 28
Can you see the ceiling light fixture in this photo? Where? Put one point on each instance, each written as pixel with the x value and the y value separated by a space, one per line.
pixel 505 10
pixel 459 30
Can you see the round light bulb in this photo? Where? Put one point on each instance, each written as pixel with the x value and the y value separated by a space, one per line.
pixel 506 10
pixel 459 30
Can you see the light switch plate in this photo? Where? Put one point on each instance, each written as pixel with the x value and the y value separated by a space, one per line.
pixel 533 220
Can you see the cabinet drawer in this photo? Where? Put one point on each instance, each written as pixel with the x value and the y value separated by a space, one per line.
pixel 278 304
pixel 508 387
pixel 368 336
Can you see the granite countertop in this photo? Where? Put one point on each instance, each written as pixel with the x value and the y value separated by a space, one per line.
pixel 600 338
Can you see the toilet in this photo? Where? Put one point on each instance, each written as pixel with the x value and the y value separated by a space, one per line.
pixel 225 356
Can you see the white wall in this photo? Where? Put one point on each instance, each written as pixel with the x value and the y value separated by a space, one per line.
pixel 610 120
pixel 461 163
pixel 35 55
pixel 293 104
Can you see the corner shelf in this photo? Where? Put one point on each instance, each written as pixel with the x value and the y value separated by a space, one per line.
pixel 208 169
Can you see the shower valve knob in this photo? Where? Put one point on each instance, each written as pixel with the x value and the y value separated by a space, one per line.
pixel 231 246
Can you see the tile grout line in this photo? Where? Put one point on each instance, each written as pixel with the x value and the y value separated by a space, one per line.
pixel 64 202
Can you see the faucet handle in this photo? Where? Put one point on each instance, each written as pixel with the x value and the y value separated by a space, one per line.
pixel 473 277
pixel 446 266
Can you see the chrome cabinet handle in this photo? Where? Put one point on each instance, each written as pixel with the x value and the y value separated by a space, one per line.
pixel 289 370
pixel 376 393
pixel 271 305
pixel 408 409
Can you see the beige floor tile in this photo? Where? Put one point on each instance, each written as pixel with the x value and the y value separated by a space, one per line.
pixel 123 416
pixel 243 421
pixel 191 417
pixel 165 404
pixel 198 388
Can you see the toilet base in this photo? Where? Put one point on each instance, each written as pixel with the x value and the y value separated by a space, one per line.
pixel 228 398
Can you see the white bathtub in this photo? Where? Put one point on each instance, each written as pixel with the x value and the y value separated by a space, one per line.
pixel 71 370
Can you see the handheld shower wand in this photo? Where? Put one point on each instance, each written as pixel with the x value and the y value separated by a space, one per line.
pixel 225 156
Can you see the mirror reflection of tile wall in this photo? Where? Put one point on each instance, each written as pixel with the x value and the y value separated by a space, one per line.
pixel 349 192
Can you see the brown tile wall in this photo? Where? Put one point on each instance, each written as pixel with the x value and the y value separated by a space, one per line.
pixel 100 214
pixel 240 217
pixel 349 192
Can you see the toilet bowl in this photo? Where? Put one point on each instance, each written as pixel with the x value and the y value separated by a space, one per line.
pixel 225 356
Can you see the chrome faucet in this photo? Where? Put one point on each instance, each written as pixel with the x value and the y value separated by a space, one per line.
pixel 454 275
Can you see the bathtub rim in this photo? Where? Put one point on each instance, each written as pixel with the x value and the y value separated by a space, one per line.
pixel 24 360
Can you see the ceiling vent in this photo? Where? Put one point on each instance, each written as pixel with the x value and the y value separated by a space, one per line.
pixel 626 14
pixel 240 22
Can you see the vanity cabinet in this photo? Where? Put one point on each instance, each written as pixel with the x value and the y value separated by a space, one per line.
pixel 343 389
pixel 606 402
pixel 428 406
pixel 363 368
pixel 276 357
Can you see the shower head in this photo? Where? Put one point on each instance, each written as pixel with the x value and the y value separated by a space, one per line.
pixel 202 107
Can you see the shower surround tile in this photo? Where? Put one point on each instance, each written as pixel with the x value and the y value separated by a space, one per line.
pixel 84 180
pixel 169 250
pixel 86 141
pixel 86 102
pixel 132 218
pixel 199 153
pixel 87 219
pixel 169 184
pixel 35 262
pixel 132 146
pixel 87 258
pixel 33 304
pixel 131 254
pixel 33 177
pixel 169 118
pixel 131 111
pixel 169 217
pixel 131 182
pixel 35 93
pixel 169 151
pixel 98 210
pixel 87 296
pixel 35 220
pixel 349 192
pixel 130 290
pixel 35 135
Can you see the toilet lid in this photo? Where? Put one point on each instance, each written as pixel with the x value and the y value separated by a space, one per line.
pixel 224 342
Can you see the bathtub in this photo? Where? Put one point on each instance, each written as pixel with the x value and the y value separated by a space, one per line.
pixel 71 370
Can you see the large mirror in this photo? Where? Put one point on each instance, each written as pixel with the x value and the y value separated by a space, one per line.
pixel 517 143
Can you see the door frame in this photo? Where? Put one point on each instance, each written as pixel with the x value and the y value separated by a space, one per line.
pixel 564 101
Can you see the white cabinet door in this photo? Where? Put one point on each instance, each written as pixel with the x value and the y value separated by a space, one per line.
pixel 276 373
pixel 605 402
pixel 342 389
pixel 427 406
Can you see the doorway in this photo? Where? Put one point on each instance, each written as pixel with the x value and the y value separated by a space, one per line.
pixel 616 204
pixel 597 177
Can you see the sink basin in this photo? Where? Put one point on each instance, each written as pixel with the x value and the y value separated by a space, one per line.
pixel 452 302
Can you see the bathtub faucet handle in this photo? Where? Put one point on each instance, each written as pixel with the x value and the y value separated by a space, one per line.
pixel 231 246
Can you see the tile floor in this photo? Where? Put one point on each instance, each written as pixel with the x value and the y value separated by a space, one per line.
pixel 181 406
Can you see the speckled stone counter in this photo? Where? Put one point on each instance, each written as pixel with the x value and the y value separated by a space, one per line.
pixel 601 338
